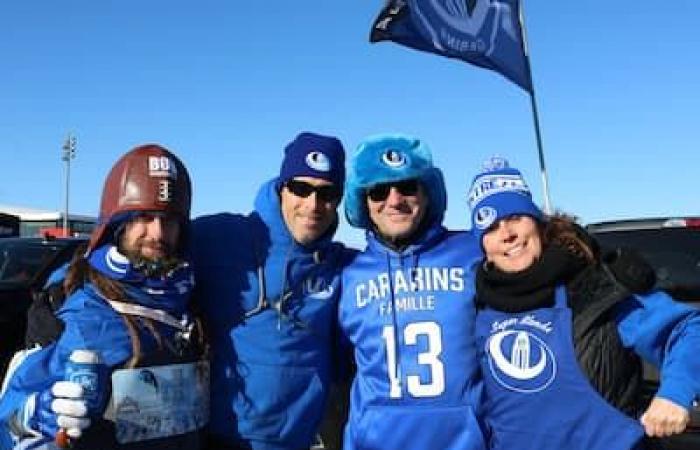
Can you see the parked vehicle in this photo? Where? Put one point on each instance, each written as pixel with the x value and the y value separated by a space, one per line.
pixel 9 225
pixel 25 265
pixel 672 247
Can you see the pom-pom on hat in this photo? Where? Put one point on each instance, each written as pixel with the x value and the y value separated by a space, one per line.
pixel 497 192
pixel 387 158
pixel 314 155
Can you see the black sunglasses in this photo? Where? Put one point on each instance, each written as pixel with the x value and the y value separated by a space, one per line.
pixel 325 193
pixel 380 192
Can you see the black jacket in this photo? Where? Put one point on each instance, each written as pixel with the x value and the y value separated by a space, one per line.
pixel 613 370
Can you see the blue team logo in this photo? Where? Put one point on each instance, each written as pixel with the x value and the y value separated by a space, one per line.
pixel 484 217
pixel 116 262
pixel 318 288
pixel 394 159
pixel 459 26
pixel 318 161
pixel 88 380
pixel 520 361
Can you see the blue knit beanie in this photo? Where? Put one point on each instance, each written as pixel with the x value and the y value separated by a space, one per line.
pixel 314 155
pixel 387 158
pixel 497 192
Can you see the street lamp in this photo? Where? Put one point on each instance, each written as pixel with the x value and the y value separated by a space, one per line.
pixel 67 154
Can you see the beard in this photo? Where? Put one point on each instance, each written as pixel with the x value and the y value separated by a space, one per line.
pixel 153 266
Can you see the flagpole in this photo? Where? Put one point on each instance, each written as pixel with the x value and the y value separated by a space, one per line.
pixel 535 116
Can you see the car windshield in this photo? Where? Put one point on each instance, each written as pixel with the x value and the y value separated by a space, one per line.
pixel 21 261
pixel 673 252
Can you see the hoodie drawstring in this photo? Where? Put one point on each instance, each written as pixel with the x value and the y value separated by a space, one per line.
pixel 394 321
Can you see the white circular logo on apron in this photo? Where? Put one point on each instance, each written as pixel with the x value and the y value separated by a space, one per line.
pixel 520 361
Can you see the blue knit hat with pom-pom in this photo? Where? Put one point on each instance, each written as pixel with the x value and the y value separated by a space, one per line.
pixel 497 192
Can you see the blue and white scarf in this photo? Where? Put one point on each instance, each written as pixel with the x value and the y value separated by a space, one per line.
pixel 169 293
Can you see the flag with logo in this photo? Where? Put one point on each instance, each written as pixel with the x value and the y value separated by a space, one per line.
pixel 486 33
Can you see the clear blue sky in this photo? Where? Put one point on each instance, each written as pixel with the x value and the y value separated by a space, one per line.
pixel 226 84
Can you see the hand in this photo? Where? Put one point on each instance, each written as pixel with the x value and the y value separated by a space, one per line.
pixel 664 418
pixel 61 406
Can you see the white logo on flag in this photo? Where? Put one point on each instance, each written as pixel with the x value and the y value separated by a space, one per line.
pixel 457 14
pixel 465 25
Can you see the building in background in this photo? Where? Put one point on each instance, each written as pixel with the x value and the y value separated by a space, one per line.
pixel 37 222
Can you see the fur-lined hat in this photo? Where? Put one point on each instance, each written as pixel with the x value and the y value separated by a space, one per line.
pixel 387 158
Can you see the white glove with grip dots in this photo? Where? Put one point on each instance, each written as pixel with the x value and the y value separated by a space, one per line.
pixel 61 406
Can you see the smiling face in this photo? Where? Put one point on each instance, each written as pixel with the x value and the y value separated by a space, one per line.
pixel 397 212
pixel 152 237
pixel 513 244
pixel 308 208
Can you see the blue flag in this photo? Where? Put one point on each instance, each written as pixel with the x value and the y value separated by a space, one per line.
pixel 486 33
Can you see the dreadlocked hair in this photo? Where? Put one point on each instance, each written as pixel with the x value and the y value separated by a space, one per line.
pixel 79 272
pixel 563 231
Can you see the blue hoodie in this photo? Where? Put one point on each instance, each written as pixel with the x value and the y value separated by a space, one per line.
pixel 410 317
pixel 270 308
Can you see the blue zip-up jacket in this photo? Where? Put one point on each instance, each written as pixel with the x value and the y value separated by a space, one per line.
pixel 90 323
pixel 410 317
pixel 270 306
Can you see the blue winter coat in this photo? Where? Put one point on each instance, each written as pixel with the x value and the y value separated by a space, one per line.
pixel 410 317
pixel 270 306
pixel 90 323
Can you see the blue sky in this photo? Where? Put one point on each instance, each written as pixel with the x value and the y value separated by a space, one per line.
pixel 226 84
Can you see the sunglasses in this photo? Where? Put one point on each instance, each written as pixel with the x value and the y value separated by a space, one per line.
pixel 325 193
pixel 380 192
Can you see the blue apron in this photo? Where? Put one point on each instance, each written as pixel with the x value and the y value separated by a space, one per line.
pixel 536 396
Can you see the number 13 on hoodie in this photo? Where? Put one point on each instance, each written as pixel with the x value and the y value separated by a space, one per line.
pixel 430 358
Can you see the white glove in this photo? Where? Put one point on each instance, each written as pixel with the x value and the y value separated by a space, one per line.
pixel 61 406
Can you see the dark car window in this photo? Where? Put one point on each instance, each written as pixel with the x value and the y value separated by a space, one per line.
pixel 673 252
pixel 20 263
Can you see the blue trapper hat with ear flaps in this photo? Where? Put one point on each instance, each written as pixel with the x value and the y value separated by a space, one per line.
pixel 387 158
pixel 497 192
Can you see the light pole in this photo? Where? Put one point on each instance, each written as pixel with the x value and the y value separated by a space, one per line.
pixel 67 154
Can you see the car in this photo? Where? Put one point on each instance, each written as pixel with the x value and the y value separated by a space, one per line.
pixel 25 265
pixel 9 225
pixel 671 245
